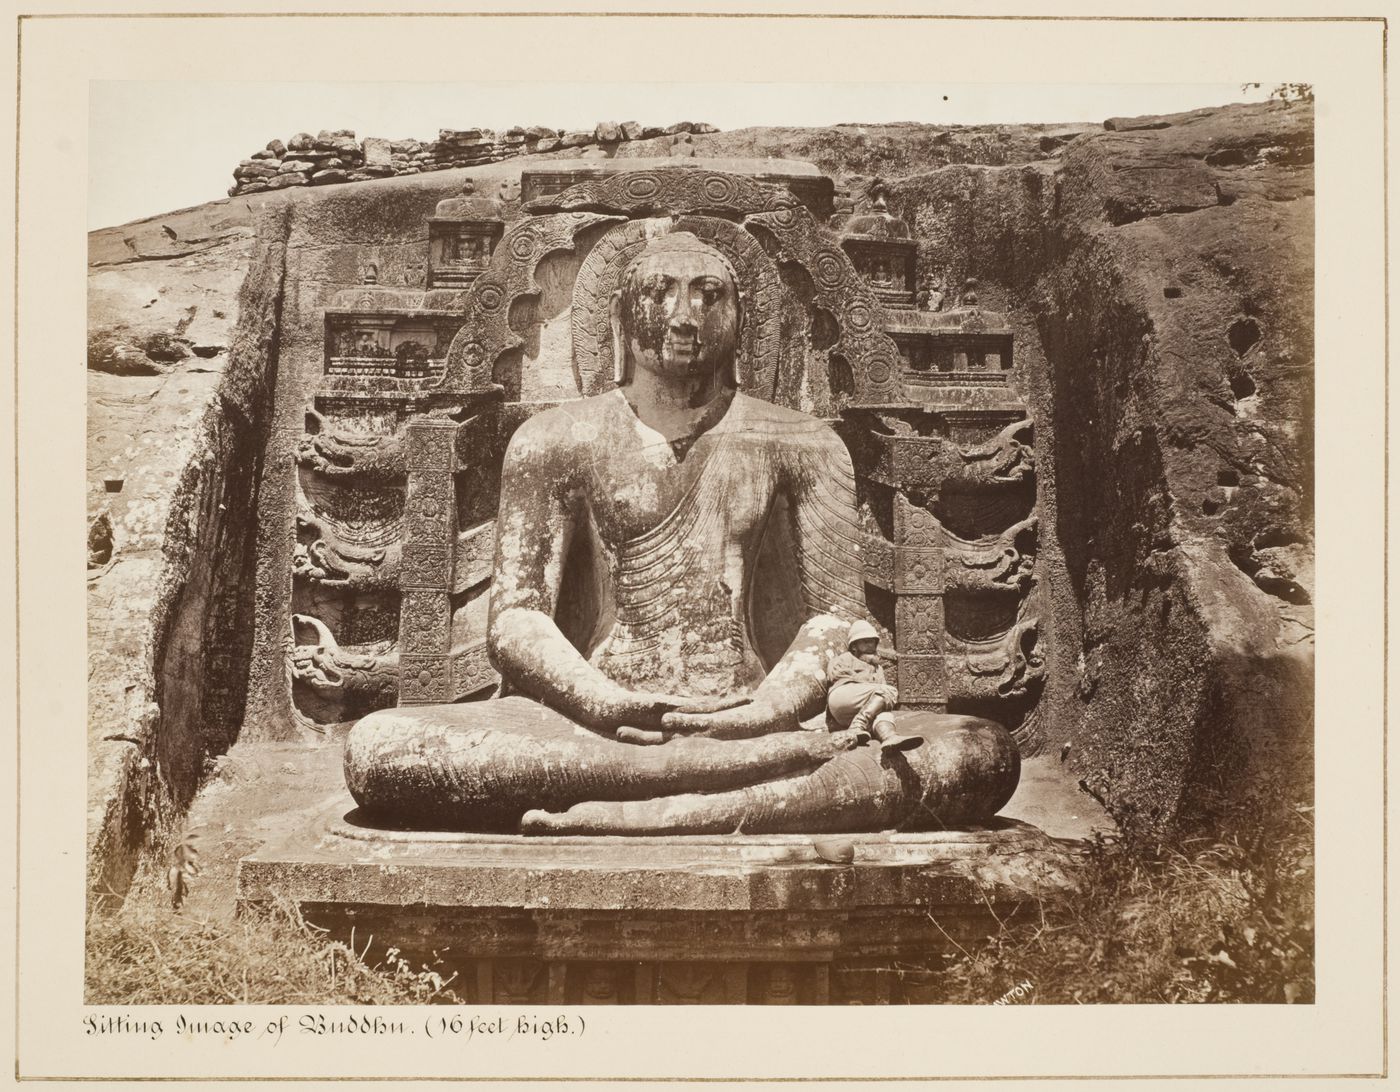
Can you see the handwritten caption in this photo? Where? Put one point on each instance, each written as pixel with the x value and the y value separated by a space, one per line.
pixel 449 1025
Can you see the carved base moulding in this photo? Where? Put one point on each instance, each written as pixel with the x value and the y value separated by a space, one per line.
pixel 674 920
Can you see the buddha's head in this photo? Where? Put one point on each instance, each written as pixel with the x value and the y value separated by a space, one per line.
pixel 676 313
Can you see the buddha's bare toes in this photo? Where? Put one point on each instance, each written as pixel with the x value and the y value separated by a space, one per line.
pixel 639 735
pixel 714 705
pixel 538 821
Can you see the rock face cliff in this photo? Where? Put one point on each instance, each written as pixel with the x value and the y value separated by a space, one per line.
pixel 1165 265
pixel 182 313
pixel 1157 271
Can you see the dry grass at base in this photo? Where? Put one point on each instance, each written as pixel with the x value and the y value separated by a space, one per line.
pixel 147 954
pixel 1220 919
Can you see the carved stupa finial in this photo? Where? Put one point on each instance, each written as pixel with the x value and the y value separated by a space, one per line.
pixel 469 205
pixel 878 222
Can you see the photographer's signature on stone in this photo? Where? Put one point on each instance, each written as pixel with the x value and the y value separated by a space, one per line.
pixel 1018 993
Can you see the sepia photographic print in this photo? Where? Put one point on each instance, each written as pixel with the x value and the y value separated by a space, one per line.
pixel 558 549
pixel 661 563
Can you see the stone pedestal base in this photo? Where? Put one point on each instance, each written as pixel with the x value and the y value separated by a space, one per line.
pixel 684 920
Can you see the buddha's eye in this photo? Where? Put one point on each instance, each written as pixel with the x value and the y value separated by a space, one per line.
pixel 710 289
pixel 655 288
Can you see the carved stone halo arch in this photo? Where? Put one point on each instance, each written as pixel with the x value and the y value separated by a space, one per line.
pixel 486 334
pixel 601 272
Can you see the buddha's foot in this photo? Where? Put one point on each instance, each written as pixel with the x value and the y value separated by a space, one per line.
pixel 481 765
pixel 962 771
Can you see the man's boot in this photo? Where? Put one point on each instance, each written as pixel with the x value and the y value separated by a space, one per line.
pixel 873 707
pixel 883 729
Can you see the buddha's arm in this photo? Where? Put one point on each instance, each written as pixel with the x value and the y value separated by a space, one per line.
pixel 821 489
pixel 819 485
pixel 538 512
pixel 527 648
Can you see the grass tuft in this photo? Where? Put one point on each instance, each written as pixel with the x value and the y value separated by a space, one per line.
pixel 148 954
pixel 1227 918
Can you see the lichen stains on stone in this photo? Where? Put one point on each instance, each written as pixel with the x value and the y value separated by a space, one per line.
pixel 823 624
pixel 639 493
pixel 582 431
pixel 808 663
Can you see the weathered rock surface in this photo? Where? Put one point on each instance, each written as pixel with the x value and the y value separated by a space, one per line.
pixel 378 153
pixel 855 153
pixel 607 132
pixel 171 458
pixel 1167 264
pixel 121 359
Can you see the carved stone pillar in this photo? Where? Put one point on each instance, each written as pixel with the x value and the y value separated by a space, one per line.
pixel 430 526
pixel 919 624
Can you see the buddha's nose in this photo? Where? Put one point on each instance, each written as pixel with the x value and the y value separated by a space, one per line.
pixel 683 315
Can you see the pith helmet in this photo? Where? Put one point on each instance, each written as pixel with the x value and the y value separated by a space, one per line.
pixel 861 631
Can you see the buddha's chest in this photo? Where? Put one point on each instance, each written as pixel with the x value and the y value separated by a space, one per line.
pixel 717 496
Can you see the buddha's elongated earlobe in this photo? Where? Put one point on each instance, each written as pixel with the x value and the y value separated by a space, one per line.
pixel 619 349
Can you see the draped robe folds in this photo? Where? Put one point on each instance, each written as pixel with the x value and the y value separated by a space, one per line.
pixel 676 597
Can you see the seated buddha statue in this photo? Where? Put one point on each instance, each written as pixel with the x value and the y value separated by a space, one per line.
pixel 654 679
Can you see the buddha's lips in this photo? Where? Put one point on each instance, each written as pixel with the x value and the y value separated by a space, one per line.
pixel 683 344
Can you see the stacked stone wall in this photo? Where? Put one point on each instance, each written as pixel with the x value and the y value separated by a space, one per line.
pixel 336 156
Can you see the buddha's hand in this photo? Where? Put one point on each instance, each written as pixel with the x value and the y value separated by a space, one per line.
pixel 636 708
pixel 753 718
pixel 628 734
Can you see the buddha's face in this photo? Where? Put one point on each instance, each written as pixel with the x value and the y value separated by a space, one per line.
pixel 678 310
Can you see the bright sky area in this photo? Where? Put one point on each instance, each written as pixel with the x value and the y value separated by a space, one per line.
pixel 159 146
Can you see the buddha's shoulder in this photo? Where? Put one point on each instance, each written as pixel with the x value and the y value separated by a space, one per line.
pixel 565 428
pixel 760 416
